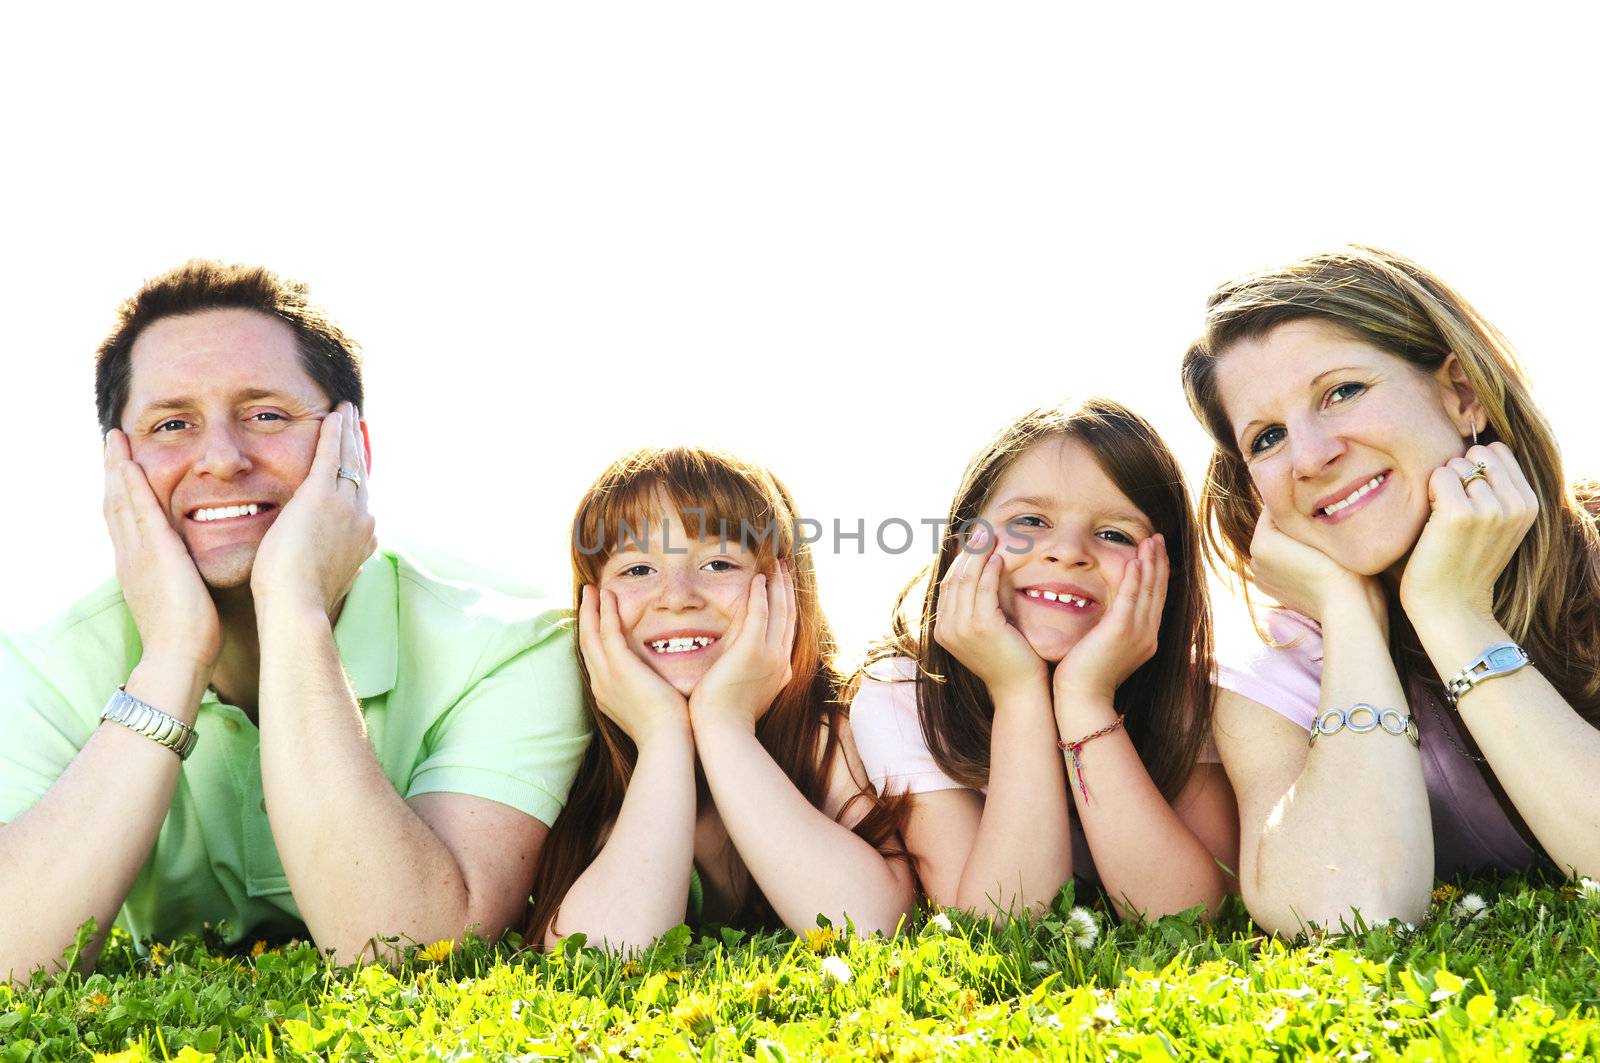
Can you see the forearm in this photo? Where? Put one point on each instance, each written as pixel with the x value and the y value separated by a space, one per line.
pixel 1354 832
pixel 1022 855
pixel 1546 756
pixel 1149 861
pixel 804 862
pixel 359 861
pixel 82 845
pixel 637 888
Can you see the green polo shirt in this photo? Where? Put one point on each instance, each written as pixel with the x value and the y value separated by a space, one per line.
pixel 464 689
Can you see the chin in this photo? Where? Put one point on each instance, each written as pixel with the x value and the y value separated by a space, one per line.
pixel 227 569
pixel 1051 646
pixel 683 684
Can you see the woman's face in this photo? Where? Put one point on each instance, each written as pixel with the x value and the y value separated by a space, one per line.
pixel 1065 532
pixel 677 596
pixel 1341 437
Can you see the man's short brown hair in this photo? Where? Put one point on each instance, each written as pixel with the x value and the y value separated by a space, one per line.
pixel 330 357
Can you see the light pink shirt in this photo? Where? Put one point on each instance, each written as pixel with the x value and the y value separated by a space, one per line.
pixel 1470 829
pixel 888 734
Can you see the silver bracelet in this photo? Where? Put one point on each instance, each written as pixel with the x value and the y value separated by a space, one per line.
pixel 151 722
pixel 1371 718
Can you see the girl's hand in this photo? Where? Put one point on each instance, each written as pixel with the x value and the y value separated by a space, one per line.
pixel 1471 536
pixel 1125 637
pixel 625 688
pixel 1300 576
pixel 971 625
pixel 755 664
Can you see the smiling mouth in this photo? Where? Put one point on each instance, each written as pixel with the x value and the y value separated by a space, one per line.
pixel 1354 496
pixel 1072 601
pixel 213 514
pixel 668 647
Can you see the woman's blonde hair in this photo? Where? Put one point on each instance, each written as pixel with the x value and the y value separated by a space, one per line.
pixel 1548 598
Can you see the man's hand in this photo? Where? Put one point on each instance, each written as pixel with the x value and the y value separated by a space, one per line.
pixel 170 603
pixel 311 555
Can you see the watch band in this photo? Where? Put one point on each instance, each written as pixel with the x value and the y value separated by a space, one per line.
pixel 1502 658
pixel 151 722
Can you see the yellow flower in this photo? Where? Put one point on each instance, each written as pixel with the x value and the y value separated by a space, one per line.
pixel 762 988
pixel 438 952
pixel 1444 894
pixel 131 1055
pixel 630 969
pixel 257 949
pixel 158 955
pixel 821 939
pixel 93 1002
pixel 696 1014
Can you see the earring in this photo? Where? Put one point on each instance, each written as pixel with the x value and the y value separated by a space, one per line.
pixel 1474 433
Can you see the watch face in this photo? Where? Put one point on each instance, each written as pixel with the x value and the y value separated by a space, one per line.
pixel 1503 657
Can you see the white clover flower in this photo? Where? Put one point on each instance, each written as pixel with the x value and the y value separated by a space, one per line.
pixel 1041 965
pixel 1107 1013
pixel 1082 930
pixel 1470 908
pixel 1589 889
pixel 834 969
pixel 939 923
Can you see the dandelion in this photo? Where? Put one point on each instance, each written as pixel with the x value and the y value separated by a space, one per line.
pixel 1444 894
pixel 1470 908
pixel 93 1003
pixel 158 955
pixel 1589 889
pixel 1082 930
pixel 821 939
pixel 438 952
pixel 695 1014
pixel 761 989
pixel 836 970
pixel 257 949
pixel 939 923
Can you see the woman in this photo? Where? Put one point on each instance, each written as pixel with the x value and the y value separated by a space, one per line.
pixel 1047 713
pixel 1382 472
pixel 722 784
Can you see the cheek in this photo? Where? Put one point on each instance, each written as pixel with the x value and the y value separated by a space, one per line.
pixel 163 468
pixel 630 605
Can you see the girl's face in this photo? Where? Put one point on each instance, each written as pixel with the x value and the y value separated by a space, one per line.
pixel 1065 532
pixel 1341 437
pixel 677 596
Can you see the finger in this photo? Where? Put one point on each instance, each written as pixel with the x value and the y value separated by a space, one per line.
pixel 756 609
pixel 350 448
pixel 986 593
pixel 589 628
pixel 1514 474
pixel 324 474
pixel 1475 486
pixel 1153 592
pixel 782 633
pixel 1499 479
pixel 1445 492
pixel 611 638
pixel 1123 603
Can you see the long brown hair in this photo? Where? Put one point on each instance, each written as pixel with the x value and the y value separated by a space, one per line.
pixel 1167 700
pixel 1548 597
pixel 721 495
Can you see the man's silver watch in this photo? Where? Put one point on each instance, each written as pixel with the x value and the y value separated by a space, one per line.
pixel 1502 658
pixel 151 722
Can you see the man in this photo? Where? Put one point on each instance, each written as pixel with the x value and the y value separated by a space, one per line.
pixel 375 752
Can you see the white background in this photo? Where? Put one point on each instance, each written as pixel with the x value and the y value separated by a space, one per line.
pixel 847 240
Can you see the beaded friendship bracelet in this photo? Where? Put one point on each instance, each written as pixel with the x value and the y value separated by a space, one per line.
pixel 1074 752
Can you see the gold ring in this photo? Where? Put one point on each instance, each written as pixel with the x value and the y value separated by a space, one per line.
pixel 1480 471
pixel 348 474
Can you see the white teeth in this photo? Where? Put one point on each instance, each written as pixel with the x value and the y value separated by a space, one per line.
pixel 1335 507
pixel 1052 596
pixel 226 512
pixel 681 645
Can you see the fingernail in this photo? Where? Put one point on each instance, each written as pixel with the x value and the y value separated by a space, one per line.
pixel 978 536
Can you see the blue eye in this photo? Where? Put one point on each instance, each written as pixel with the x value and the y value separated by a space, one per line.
pixel 1345 392
pixel 1268 437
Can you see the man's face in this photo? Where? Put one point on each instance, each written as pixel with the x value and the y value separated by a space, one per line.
pixel 224 420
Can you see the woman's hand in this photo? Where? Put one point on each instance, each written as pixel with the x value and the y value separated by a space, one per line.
pixel 1302 577
pixel 311 555
pixel 1125 637
pixel 1471 536
pixel 625 688
pixel 971 625
pixel 755 664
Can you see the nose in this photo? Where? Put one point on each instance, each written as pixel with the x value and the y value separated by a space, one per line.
pixel 679 590
pixel 221 452
pixel 1067 546
pixel 1312 448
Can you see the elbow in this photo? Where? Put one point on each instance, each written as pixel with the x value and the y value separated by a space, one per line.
pixel 1377 903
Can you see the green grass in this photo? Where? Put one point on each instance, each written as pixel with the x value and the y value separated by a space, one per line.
pixel 1519 982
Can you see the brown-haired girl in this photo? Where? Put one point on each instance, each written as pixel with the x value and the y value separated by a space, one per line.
pixel 1048 714
pixel 722 784
pixel 1382 471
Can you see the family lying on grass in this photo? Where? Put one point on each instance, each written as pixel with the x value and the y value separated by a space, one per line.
pixel 268 722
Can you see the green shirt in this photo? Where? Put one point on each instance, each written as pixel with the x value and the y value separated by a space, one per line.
pixel 463 689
